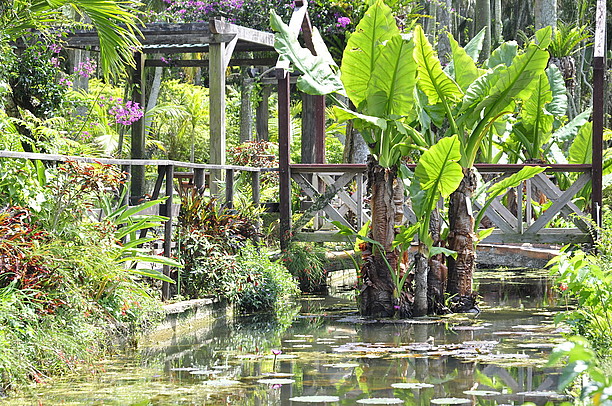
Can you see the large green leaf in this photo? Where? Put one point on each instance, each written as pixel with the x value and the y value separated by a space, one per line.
pixel 558 105
pixel 438 168
pixel 391 90
pixel 317 77
pixel 343 114
pixel 569 130
pixel 432 79
pixel 513 83
pixel 581 150
pixel 536 120
pixel 363 49
pixel 503 55
pixel 474 46
pixel 464 68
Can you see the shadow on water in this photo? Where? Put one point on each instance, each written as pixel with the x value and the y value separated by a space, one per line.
pixel 318 349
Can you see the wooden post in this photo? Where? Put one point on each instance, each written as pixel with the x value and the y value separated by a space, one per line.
pixel 262 115
pixel 168 227
pixel 199 179
pixel 217 113
pixel 126 198
pixel 599 67
pixel 229 188
pixel 284 140
pixel 137 150
pixel 319 129
pixel 255 187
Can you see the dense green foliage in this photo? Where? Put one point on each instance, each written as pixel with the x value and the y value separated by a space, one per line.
pixel 306 262
pixel 221 258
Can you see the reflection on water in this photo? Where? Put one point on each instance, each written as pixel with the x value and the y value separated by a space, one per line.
pixel 498 357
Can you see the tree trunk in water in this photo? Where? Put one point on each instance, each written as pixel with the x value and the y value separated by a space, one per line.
pixel 461 239
pixel 437 272
pixel 420 281
pixel 377 290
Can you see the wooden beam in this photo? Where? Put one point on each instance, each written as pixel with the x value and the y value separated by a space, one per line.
pixel 219 26
pixel 217 113
pixel 191 63
pixel 284 140
pixel 599 69
pixel 167 207
pixel 137 143
pixel 558 204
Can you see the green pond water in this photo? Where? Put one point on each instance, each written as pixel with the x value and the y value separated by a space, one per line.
pixel 326 353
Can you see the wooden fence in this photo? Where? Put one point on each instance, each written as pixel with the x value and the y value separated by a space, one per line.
pixel 524 214
pixel 166 175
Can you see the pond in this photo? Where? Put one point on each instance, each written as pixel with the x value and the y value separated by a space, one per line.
pixel 319 350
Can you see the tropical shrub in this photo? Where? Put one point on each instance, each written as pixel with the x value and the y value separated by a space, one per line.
pixel 59 297
pixel 267 286
pixel 306 262
pixel 585 279
pixel 584 370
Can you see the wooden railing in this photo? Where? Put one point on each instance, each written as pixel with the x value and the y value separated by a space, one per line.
pixel 337 193
pixel 166 175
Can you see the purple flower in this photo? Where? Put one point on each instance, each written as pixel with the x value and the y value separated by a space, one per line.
pixel 343 22
pixel 396 307
pixel 55 48
pixel 276 352
pixel 85 69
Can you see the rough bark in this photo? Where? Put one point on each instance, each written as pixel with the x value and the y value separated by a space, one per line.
pixel 461 239
pixel 377 290
pixel 437 272
pixel 420 282
pixel 545 13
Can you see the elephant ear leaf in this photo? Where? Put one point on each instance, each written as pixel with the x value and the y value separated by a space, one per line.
pixel 581 150
pixel 438 168
pixel 503 55
pixel 318 77
pixel 432 80
pixel 463 66
pixel 558 105
pixel 392 86
pixel 363 49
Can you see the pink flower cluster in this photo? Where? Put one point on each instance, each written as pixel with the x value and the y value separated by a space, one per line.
pixel 343 22
pixel 85 69
pixel 127 113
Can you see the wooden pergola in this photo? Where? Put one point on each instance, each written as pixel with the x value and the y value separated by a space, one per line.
pixel 218 40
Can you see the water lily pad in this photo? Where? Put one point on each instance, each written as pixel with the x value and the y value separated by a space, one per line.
pixel 341 365
pixel 536 345
pixel 301 340
pixel 185 369
pixel 543 394
pixel 315 399
pixel 450 401
pixel 276 381
pixel 411 385
pixel 283 356
pixel 205 372
pixel 381 401
pixel 467 328
pixel 220 382
pixel 481 392
pixel 278 374
pixel 222 367
pixel 302 346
